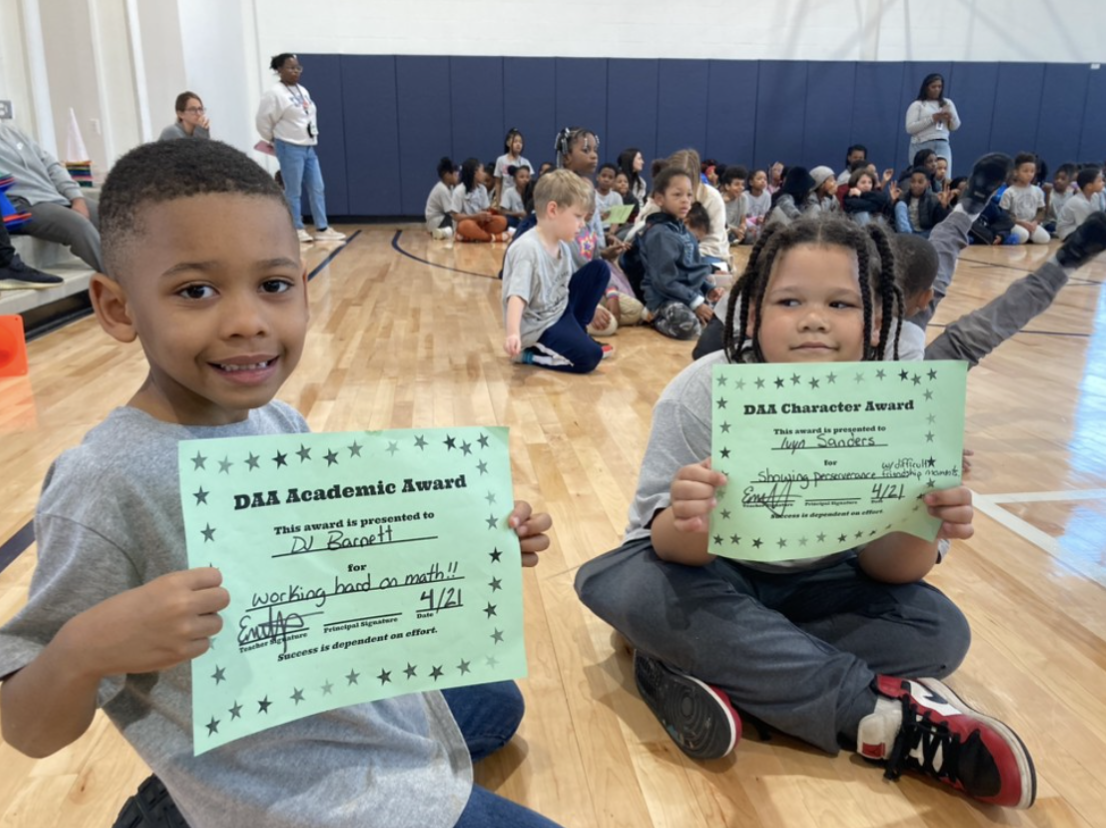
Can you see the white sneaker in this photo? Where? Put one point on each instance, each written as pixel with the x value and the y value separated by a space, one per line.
pixel 442 233
pixel 304 236
pixel 329 234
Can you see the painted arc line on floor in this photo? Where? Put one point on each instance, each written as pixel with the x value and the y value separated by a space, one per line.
pixel 332 255
pixel 409 255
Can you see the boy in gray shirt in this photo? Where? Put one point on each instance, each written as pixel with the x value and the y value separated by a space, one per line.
pixel 546 306
pixel 114 615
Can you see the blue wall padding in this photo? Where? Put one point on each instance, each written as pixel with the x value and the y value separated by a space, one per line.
pixel 631 110
pixel 326 91
pixel 682 89
pixel 372 134
pixel 386 120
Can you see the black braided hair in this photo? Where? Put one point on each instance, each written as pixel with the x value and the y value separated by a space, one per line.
pixel 565 139
pixel 874 259
pixel 890 293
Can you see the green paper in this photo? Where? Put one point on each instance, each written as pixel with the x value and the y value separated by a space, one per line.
pixel 620 214
pixel 360 566
pixel 823 458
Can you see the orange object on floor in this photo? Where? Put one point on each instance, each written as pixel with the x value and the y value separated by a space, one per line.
pixel 13 347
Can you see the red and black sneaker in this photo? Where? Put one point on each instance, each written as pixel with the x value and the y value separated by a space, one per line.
pixel 698 717
pixel 921 725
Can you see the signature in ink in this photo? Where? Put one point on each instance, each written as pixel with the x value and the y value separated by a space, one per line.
pixel 775 500
pixel 276 628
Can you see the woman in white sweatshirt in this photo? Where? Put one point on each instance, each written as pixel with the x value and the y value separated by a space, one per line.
pixel 287 119
pixel 931 118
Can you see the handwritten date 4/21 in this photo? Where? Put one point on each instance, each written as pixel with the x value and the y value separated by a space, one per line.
pixel 888 491
pixel 440 598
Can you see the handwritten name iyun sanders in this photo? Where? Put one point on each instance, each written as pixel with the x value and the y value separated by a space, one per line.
pixel 340 492
pixel 827 408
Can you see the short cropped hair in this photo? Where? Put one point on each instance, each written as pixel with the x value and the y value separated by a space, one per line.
pixel 663 180
pixel 1025 158
pixel 916 261
pixel 565 189
pixel 1087 176
pixel 170 170
pixel 733 173
pixel 698 216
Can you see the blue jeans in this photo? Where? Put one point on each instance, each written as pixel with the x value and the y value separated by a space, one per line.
pixel 939 145
pixel 488 716
pixel 565 345
pixel 902 221
pixel 299 166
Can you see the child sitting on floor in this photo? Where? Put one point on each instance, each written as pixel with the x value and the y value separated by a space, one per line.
pixel 842 651
pixel 1085 201
pixel 513 203
pixel 1025 202
pixel 863 202
pixel 439 204
pixel 677 283
pixel 471 207
pixel 918 209
pixel 203 270
pixel 547 307
pixel 732 186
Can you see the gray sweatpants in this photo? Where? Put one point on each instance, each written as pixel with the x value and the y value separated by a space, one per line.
pixel 974 335
pixel 797 650
pixel 58 223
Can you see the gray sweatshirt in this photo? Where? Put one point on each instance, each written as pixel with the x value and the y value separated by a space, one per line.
pixel 39 177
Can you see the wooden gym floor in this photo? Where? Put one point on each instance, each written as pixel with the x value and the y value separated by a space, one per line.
pixel 396 342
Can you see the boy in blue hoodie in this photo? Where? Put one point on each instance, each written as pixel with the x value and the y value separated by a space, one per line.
pixel 677 284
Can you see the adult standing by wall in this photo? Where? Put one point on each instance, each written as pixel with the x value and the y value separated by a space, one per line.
pixel 287 119
pixel 192 120
pixel 931 118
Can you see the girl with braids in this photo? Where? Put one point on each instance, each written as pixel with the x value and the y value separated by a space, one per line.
pixel 830 650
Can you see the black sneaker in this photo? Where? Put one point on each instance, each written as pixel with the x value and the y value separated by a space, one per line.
pixel 23 273
pixel 989 173
pixel 698 717
pixel 921 725
pixel 1088 240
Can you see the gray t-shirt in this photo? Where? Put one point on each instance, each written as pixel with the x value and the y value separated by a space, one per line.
pixel 175 131
pixel 758 205
pixel 511 201
pixel 470 202
pixel 1074 213
pixel 1023 202
pixel 109 520
pixel 439 204
pixel 540 279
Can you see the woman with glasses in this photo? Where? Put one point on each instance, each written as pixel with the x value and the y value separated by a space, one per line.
pixel 288 120
pixel 192 122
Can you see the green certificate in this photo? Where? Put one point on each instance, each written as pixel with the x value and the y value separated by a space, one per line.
pixel 360 566
pixel 620 214
pixel 823 458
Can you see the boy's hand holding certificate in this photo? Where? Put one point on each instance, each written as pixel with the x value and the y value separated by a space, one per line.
pixel 823 458
pixel 360 566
